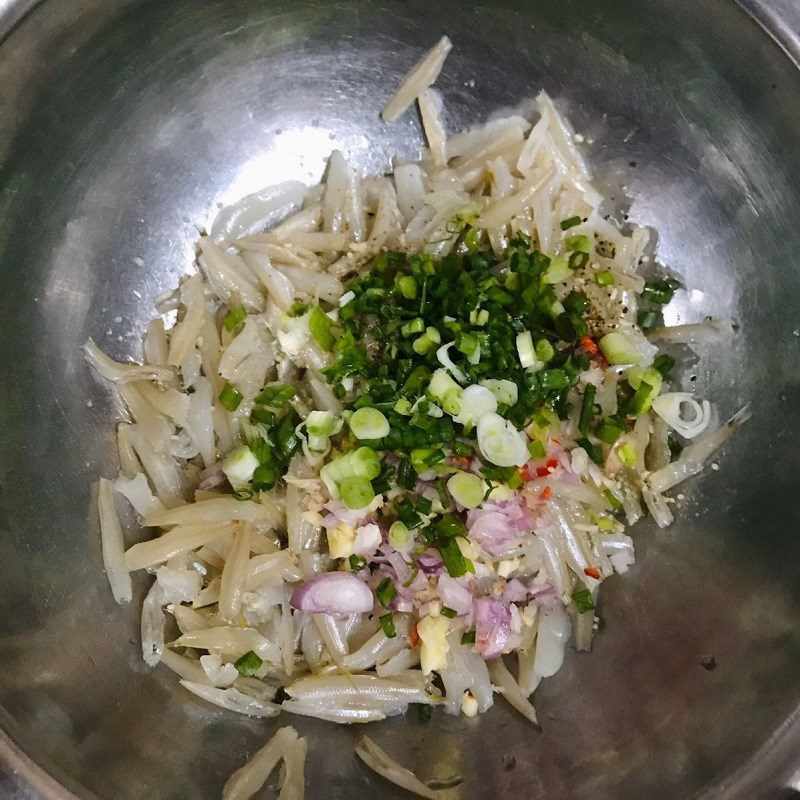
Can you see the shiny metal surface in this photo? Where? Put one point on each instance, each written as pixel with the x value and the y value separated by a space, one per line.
pixel 122 124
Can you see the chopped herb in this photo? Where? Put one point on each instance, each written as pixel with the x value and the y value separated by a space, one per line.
pixel 448 526
pixel 357 562
pixel 424 713
pixel 646 318
pixel 276 395
pixel 468 637
pixel 236 316
pixel 387 624
pixel 385 592
pixel 592 450
pixel 587 408
pixel 406 475
pixel 570 327
pixel 608 431
pixel 663 363
pixel 582 600
pixel 570 222
pixel 455 562
pixel 613 500
pixel 660 292
pixel 248 664
pixel 230 397
pixel 422 505
pixel 448 612
pixel 578 260
pixel 605 277
pixel 321 327
pixel 579 243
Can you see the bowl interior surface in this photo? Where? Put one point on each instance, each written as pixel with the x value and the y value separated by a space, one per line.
pixel 124 124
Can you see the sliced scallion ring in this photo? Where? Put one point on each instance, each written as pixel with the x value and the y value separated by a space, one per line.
pixel 467 489
pixel 368 423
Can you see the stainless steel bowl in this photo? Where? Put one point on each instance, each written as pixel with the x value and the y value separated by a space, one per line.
pixel 122 124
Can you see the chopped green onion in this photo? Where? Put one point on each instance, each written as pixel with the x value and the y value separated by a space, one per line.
pixel 248 664
pixel 422 505
pixel 582 600
pixel 443 386
pixel 387 624
pixel 471 240
pixel 455 562
pixel 322 423
pixel 660 292
pixel 265 477
pixel 361 463
pixel 230 397
pixel 613 500
pixel 592 450
pixel 467 489
pixel 356 492
pixel 605 523
pixel 627 454
pixel 448 527
pixel 536 450
pixel 608 431
pixel 357 562
pixel 467 344
pixel 448 612
pixel 553 379
pixel 433 334
pixel 544 350
pixel 618 349
pixel 463 449
pixel 403 406
pixel 408 286
pixel 263 416
pixel 505 392
pixel 385 592
pixel 578 260
pixel 276 395
pixel 468 637
pixel 646 319
pixel 479 318
pixel 321 327
pixel 576 302
pixel 236 316
pixel 587 408
pixel 413 326
pixel 579 243
pixel 297 309
pixel 400 537
pixel 407 515
pixel 406 475
pixel 368 423
pixel 525 350
pixel 422 344
pixel 423 458
pixel 663 363
pixel 239 466
pixel 605 277
pixel 570 222
pixel 507 475
pixel 646 392
pixel 558 270
pixel 570 327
